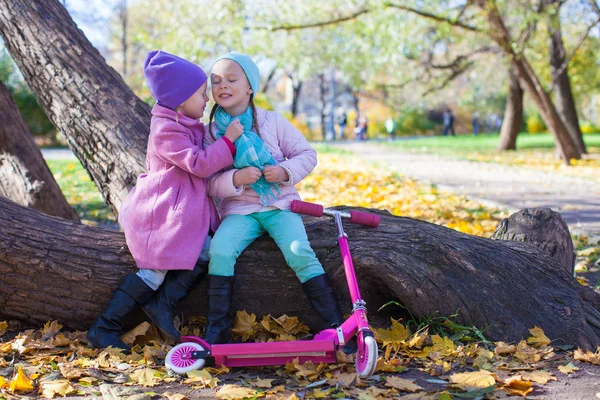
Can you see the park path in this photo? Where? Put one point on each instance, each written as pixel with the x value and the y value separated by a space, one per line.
pixel 511 188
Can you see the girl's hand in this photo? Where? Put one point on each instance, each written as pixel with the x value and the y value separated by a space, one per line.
pixel 234 130
pixel 246 176
pixel 275 173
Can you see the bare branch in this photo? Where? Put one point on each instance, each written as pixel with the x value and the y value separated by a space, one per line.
pixel 568 59
pixel 461 58
pixel 595 6
pixel 335 21
pixel 455 73
pixel 435 17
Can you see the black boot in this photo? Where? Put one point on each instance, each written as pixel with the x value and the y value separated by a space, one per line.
pixel 323 300
pixel 219 293
pixel 161 307
pixel 106 331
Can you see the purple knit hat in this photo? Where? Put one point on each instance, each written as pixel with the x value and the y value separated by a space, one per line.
pixel 171 79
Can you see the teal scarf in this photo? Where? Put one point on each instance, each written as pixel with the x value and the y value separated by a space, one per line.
pixel 251 151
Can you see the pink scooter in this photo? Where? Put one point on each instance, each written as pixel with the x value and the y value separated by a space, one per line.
pixel 191 354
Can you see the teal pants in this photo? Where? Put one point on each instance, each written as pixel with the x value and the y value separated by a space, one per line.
pixel 236 232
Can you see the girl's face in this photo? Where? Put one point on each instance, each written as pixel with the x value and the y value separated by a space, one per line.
pixel 194 106
pixel 230 87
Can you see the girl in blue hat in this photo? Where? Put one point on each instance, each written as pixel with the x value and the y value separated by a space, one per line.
pixel 255 195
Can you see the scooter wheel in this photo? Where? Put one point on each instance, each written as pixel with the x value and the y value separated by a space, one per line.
pixel 177 361
pixel 366 356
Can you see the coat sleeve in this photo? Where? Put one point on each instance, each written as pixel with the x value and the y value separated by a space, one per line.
pixel 220 184
pixel 174 145
pixel 301 158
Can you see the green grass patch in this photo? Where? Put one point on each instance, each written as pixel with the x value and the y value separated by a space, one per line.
pixel 482 143
pixel 80 191
pixel 323 148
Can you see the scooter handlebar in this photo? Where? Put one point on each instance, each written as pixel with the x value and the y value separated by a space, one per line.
pixel 303 207
pixel 316 210
pixel 363 218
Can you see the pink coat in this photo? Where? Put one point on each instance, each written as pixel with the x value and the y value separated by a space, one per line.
pixel 289 149
pixel 167 215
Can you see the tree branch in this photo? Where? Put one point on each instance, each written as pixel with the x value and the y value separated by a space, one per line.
pixel 459 59
pixel 595 6
pixel 568 59
pixel 350 17
pixel 438 18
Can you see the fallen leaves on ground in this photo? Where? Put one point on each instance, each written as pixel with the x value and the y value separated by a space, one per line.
pixel 455 369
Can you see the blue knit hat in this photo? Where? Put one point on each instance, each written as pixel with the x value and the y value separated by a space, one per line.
pixel 250 69
pixel 171 79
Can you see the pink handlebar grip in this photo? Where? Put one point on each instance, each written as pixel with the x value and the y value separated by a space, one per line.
pixel 302 207
pixel 363 218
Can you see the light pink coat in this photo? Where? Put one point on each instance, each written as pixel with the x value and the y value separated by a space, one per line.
pixel 289 149
pixel 167 215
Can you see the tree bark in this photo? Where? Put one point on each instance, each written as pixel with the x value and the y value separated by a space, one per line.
pixel 513 114
pixel 104 123
pixel 499 33
pixel 297 88
pixel 505 286
pixel 563 95
pixel 24 175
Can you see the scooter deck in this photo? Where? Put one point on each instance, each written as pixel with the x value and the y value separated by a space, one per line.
pixel 273 353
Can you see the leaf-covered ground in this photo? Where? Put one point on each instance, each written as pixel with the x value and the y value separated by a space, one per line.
pixel 412 365
pixel 430 358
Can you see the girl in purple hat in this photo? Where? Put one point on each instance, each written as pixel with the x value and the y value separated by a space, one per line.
pixel 167 216
pixel 256 194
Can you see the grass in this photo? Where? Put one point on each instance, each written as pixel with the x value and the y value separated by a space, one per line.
pixel 484 142
pixel 80 191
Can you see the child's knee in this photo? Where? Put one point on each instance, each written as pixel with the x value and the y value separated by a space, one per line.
pixel 301 249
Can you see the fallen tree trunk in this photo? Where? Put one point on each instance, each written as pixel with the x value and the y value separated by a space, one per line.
pixel 56 269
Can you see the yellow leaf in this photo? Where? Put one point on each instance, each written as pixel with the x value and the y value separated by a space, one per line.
pixel 61 387
pixel 527 353
pixel 173 396
pixel 51 328
pixel 139 330
pixel 541 377
pixel 503 349
pixel 588 356
pixel 404 385
pixel 539 338
pixel 343 379
pixel 235 392
pixel 203 377
pixel 90 380
pixel 60 341
pixel 262 383
pixel 476 379
pixel 3 327
pixel 146 376
pixel 518 387
pixel 3 383
pixel 244 325
pixel 20 383
pixel 396 333
pixel 567 369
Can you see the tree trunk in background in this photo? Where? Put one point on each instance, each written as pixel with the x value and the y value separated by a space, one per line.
pixel 531 84
pixel 322 103
pixel 505 286
pixel 104 123
pixel 24 175
pixel 297 88
pixel 513 115
pixel 563 95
